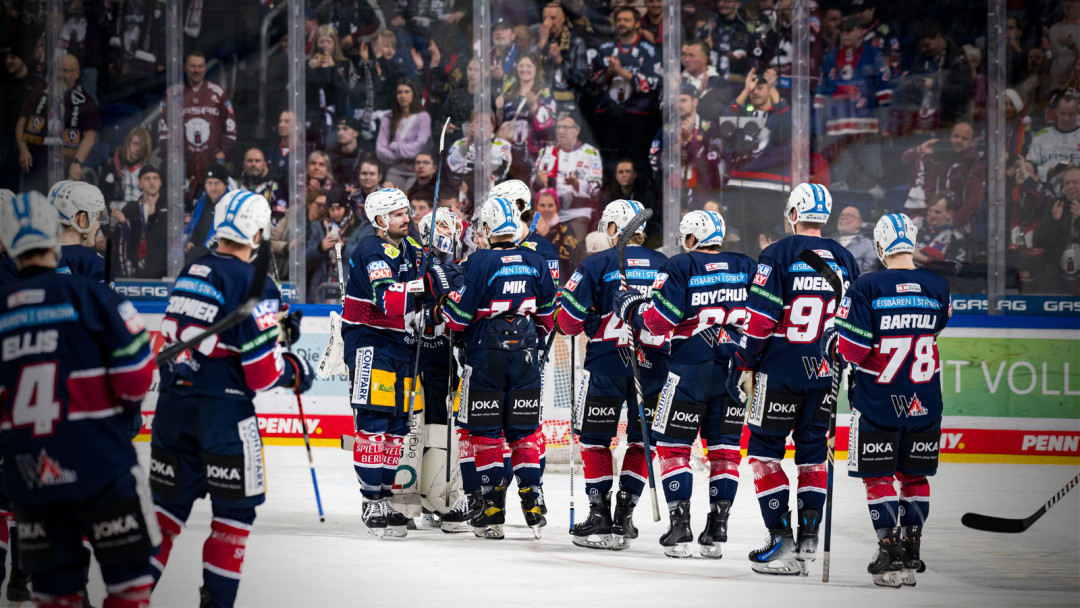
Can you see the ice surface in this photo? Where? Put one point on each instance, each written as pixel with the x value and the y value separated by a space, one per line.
pixel 293 560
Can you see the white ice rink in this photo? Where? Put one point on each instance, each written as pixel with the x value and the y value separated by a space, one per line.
pixel 293 560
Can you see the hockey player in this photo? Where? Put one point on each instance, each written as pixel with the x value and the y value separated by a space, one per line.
pixel 504 306
pixel 587 304
pixel 887 324
pixel 385 292
pixel 789 307
pixel 8 271
pixel 205 437
pixel 76 365
pixel 80 206
pixel 699 297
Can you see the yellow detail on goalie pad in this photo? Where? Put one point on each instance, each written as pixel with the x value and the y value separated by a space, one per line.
pixel 418 405
pixel 457 396
pixel 383 389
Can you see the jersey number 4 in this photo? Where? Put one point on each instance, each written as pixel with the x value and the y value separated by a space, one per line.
pixel 35 403
pixel 896 348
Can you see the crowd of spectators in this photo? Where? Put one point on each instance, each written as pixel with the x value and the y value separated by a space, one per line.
pixel 898 120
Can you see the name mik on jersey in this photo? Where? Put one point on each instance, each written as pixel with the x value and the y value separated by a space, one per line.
pixel 705 298
pixel 514 287
pixel 908 321
pixel 203 311
pixel 30 343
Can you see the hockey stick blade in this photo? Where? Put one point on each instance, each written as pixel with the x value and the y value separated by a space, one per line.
pixel 813 260
pixel 262 265
pixel 1006 525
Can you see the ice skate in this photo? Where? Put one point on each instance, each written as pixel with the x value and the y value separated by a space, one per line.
pixel 714 535
pixel 530 508
pixel 676 541
pixel 910 541
pixel 778 554
pixel 467 507
pixel 374 518
pixel 888 563
pixel 430 519
pixel 18 588
pixel 806 546
pixel 595 531
pixel 396 523
pixel 489 523
pixel 540 501
pixel 622 524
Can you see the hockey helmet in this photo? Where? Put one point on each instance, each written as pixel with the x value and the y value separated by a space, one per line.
pixel 499 217
pixel 382 203
pixel 516 191
pixel 27 222
pixel 58 187
pixel 894 233
pixel 448 229
pixel 240 215
pixel 812 204
pixel 706 226
pixel 72 198
pixel 620 212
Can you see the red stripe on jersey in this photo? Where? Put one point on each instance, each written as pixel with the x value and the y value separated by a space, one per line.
pixel 262 372
pixel 656 323
pixel 394 301
pixel 852 351
pixel 567 324
pixel 88 393
pixel 547 320
pixel 760 325
pixel 365 313
pixel 133 382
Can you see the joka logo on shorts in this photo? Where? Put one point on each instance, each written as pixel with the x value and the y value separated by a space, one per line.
pixel 164 469
pixel 601 411
pixel 877 448
pixel 686 417
pixel 924 447
pixel 485 405
pixel 112 527
pixel 735 412
pixel 781 408
pixel 227 473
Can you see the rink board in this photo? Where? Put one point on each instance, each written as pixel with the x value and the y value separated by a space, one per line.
pixel 1011 395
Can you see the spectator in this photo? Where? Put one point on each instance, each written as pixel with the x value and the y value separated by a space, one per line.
pixel 315 202
pixel 136 53
pixel 121 174
pixel 550 226
pixel 1063 38
pixel 528 105
pixel 377 74
pixel 849 234
pixel 564 57
pixel 759 152
pixel 461 157
pixel 355 20
pixel 876 34
pixel 346 153
pixel 459 104
pixel 340 225
pixel 702 161
pixel 728 37
pixel 504 54
pixel 209 124
pixel 256 178
pixel 142 230
pixel 326 87
pixel 277 156
pixel 1018 124
pixel 200 225
pixel 628 186
pixel 18 87
pixel 422 185
pixel 714 92
pixel 1028 204
pixel 850 98
pixel 1059 234
pixel 575 171
pixel 318 171
pixel 652 24
pixel 403 133
pixel 371 179
pixel 939 240
pixel 938 90
pixel 959 172
pixel 1059 143
pixel 628 112
pixel 443 72
pixel 825 40
pixel 80 128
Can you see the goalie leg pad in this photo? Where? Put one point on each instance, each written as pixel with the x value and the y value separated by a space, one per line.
pixel 771 486
pixel 883 504
pixel 676 476
pixel 914 499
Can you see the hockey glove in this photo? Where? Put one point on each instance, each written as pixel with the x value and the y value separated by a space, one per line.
pixel 300 372
pixel 734 382
pixel 626 303
pixel 290 326
pixel 829 339
pixel 743 360
pixel 592 323
pixel 442 278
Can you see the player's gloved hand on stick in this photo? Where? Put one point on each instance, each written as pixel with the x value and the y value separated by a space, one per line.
pixel 626 303
pixel 732 383
pixel 829 338
pixel 442 278
pixel 290 326
pixel 592 323
pixel 300 376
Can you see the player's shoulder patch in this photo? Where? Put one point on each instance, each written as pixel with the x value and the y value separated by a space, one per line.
pixel 825 254
pixel 763 272
pixel 413 242
pixel 390 250
pixel 26 297
pixel 573 281
pixel 714 266
pixel 658 282
pixel 637 262
pixel 908 288
pixel 265 314
pixel 199 270
pixel 844 309
pixel 511 259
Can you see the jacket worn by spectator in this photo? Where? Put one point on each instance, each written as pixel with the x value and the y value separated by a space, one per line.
pixel 1061 240
pixel 321 265
pixel 580 196
pixel 730 39
pixel 142 240
pixel 855 86
pixel 209 125
pixel 639 94
pixel 409 140
pixel 119 180
pixel 569 77
pixel 947 98
pixel 764 160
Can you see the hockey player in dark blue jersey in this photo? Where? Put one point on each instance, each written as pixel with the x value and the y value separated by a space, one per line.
pixel 505 306
pixel 587 304
pixel 888 324
pixel 385 295
pixel 698 297
pixel 76 365
pixel 205 436
pixel 790 308
pixel 8 271
pixel 81 207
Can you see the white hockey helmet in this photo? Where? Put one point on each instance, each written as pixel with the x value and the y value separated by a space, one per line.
pixel 706 226
pixel 894 233
pixel 620 212
pixel 448 229
pixel 516 191
pixel 812 204
pixel 239 215
pixel 57 187
pixel 28 221
pixel 73 198
pixel 499 216
pixel 382 203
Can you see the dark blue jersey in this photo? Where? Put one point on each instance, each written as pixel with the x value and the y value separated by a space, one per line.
pixel 888 323
pixel 696 296
pixel 543 246
pixel 242 360
pixel 789 306
pixel 8 271
pixel 377 310
pixel 592 288
pixel 501 282
pixel 76 365
pixel 81 261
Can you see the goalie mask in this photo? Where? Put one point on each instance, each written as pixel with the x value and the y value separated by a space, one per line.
pixel 381 203
pixel 619 212
pixel 812 204
pixel 448 228
pixel 894 233
pixel 707 227
pixel 28 222
pixel 240 215
pixel 72 198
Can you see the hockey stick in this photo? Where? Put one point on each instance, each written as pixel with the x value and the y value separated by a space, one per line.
pixel 262 265
pixel 307 439
pixel 340 272
pixel 108 263
pixel 813 260
pixel 450 389
pixel 989 523
pixel 427 266
pixel 573 417
pixel 620 246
